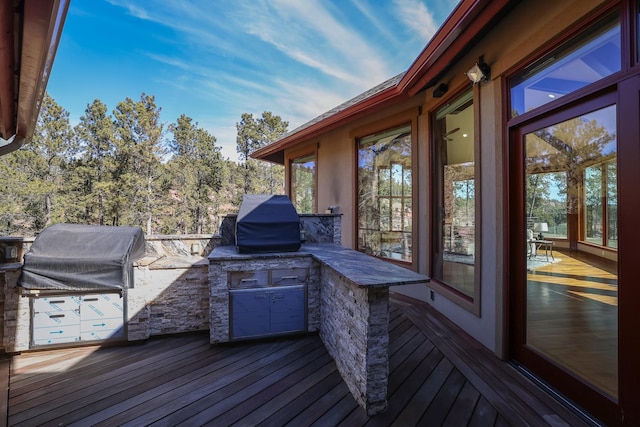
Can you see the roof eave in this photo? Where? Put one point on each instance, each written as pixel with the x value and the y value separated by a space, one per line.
pixel 460 31
pixel 37 27
pixel 275 152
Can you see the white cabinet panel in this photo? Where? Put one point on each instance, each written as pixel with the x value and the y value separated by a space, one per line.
pixel 56 327
pixel 101 329
pixel 71 319
pixel 101 307
pixel 66 303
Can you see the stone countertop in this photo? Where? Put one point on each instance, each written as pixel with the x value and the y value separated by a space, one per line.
pixel 361 269
pixel 162 262
pixel 11 266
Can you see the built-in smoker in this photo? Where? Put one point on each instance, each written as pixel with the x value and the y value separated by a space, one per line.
pixel 267 302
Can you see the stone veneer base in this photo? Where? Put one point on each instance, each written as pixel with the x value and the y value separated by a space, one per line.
pixel 353 308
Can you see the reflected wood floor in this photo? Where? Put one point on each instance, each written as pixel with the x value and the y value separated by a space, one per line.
pixel 572 316
pixel 438 376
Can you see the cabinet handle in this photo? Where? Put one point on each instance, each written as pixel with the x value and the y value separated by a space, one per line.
pixel 53 316
pixel 90 299
pixel 289 277
pixel 57 302
pixel 248 280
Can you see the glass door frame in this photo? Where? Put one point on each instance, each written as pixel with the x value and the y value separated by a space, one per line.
pixel 626 96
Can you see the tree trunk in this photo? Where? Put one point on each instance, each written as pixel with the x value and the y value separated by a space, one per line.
pixel 101 208
pixel 47 210
pixel 149 204
pixel 198 220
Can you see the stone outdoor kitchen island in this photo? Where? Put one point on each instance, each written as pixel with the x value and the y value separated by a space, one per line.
pixel 347 301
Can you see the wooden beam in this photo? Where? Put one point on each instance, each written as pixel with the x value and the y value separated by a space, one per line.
pixel 43 21
pixel 7 70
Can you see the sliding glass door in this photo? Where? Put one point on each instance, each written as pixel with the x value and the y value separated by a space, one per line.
pixel 571 295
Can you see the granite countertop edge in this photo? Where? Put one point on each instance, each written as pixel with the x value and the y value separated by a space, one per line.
pixel 361 269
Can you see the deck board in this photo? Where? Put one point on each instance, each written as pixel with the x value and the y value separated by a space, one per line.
pixel 502 387
pixel 483 415
pixel 208 407
pixel 208 385
pixel 5 369
pixel 438 376
pixel 463 407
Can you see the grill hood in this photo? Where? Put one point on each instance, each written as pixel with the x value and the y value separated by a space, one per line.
pixel 267 223
pixel 82 258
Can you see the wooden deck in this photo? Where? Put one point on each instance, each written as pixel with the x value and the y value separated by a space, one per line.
pixel 438 376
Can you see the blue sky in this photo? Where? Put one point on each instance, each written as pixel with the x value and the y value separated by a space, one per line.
pixel 216 59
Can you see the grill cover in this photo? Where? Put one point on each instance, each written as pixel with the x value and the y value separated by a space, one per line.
pixel 82 257
pixel 267 223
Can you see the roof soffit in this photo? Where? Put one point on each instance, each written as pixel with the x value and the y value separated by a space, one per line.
pixel 7 69
pixel 457 35
pixel 26 57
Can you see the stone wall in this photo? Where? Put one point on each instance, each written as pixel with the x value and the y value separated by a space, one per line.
pixel 170 292
pixel 183 246
pixel 354 330
pixel 17 314
pixel 168 300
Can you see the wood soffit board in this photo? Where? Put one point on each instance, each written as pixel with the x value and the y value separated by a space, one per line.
pixel 29 39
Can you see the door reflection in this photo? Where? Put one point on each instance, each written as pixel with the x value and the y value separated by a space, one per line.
pixel 572 296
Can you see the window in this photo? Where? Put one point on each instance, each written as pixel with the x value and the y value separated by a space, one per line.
pixel 454 197
pixel 385 202
pixel 303 183
pixel 600 204
pixel 591 57
pixel 546 201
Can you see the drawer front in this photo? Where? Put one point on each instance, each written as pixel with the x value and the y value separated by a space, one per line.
pixel 56 334
pixel 248 279
pixel 56 327
pixel 55 319
pixel 101 317
pixel 289 276
pixel 103 329
pixel 65 303
pixel 104 306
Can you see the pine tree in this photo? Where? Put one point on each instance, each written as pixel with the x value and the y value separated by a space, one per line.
pixel 137 172
pixel 196 167
pixel 95 134
pixel 254 134
pixel 45 159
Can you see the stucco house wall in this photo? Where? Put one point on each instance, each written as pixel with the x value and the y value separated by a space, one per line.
pixel 510 43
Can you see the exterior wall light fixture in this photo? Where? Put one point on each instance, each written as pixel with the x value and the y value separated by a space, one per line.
pixel 479 72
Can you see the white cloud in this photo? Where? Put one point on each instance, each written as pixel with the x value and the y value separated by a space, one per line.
pixel 307 33
pixel 302 102
pixel 380 26
pixel 417 17
pixel 297 59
